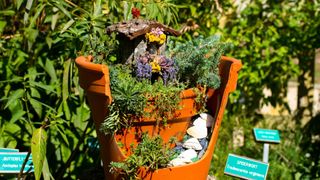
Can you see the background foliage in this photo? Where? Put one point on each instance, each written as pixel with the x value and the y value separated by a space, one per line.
pixel 39 83
pixel 268 37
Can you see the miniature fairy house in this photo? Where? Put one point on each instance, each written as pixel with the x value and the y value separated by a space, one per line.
pixel 138 36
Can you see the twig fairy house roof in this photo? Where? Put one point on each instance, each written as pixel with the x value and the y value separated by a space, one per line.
pixel 131 36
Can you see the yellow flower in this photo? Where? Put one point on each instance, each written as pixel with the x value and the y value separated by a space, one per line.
pixel 163 36
pixel 151 39
pixel 155 67
pixel 155 38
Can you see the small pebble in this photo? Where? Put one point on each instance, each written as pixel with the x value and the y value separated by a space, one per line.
pixel 200 122
pixel 192 143
pixel 203 143
pixel 197 132
pixel 188 154
pixel 195 159
pixel 179 148
pixel 209 119
pixel 179 162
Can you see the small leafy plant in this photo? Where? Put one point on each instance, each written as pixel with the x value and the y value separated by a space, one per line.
pixel 151 154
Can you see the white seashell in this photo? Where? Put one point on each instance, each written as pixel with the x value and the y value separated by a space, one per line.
pixel 179 162
pixel 200 122
pixel 192 143
pixel 209 119
pixel 188 154
pixel 197 132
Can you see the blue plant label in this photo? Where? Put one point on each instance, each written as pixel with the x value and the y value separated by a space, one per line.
pixel 246 168
pixel 8 150
pixel 11 162
pixel 266 135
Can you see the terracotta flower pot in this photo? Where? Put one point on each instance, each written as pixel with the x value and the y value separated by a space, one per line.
pixel 94 79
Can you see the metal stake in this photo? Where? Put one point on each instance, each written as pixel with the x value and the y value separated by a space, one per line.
pixel 265 152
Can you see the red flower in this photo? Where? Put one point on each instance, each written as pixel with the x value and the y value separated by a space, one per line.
pixel 135 12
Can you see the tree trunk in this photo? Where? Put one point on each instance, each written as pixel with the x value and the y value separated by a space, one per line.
pixel 306 81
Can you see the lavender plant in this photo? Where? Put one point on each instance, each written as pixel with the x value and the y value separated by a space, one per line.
pixel 143 68
pixel 150 66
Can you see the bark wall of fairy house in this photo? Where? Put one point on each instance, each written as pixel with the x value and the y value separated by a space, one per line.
pixel 130 49
pixel 131 37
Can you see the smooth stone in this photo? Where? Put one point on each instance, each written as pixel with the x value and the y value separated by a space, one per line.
pixel 192 143
pixel 204 144
pixel 188 154
pixel 179 148
pixel 197 132
pixel 200 122
pixel 209 119
pixel 179 162
pixel 201 153
pixel 195 159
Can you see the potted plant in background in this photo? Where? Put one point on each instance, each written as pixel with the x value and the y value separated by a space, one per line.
pixel 147 96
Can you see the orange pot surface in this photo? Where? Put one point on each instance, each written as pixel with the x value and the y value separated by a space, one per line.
pixel 94 79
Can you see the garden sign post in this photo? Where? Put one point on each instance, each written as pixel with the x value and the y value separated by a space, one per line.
pixel 246 168
pixel 266 136
pixel 4 150
pixel 11 161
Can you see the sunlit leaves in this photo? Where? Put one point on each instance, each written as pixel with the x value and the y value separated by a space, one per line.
pixel 67 25
pixel 45 170
pixel 14 96
pixel 33 84
pixel 26 14
pixel 38 150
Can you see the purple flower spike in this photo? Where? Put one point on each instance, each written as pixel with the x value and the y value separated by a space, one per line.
pixel 143 68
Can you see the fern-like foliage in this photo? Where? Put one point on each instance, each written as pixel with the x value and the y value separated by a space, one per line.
pixel 198 61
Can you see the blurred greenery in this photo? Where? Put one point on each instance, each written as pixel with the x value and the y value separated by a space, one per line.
pixel 296 157
pixel 39 82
